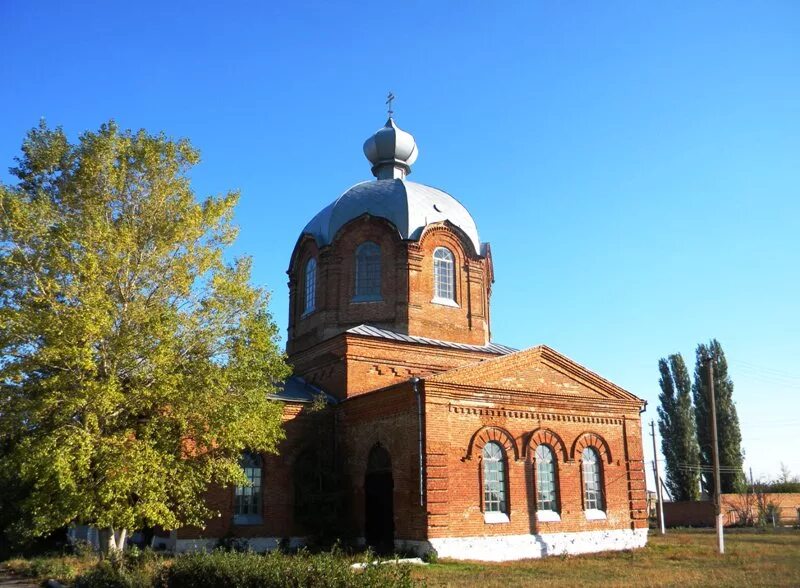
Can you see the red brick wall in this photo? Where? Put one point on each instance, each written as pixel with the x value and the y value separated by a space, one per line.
pixel 277 487
pixel 349 365
pixel 406 286
pixel 388 417
pixel 453 417
pixel 700 513
pixel 521 396
pixel 689 513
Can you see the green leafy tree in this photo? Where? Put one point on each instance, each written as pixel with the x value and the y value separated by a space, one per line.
pixel 728 433
pixel 677 427
pixel 135 362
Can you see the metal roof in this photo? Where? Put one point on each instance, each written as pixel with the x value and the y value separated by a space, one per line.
pixel 409 206
pixel 296 389
pixel 370 331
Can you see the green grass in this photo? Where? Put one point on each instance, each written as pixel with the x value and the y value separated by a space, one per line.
pixel 681 558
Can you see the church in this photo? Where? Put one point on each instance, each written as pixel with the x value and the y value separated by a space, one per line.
pixel 407 427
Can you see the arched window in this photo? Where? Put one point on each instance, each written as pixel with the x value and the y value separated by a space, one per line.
pixel 247 499
pixel 368 272
pixel 545 479
pixel 494 479
pixel 310 285
pixel 443 275
pixel 592 480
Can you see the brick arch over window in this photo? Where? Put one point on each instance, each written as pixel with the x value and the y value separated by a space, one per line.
pixel 546 437
pixel 452 237
pixel 589 439
pixel 487 434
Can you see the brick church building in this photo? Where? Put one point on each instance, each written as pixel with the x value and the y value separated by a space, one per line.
pixel 430 435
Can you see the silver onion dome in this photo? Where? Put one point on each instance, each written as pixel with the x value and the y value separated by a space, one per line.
pixel 391 151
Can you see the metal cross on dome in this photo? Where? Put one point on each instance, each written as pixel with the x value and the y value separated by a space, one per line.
pixel 389 99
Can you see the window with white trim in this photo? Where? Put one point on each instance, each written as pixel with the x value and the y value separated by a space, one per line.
pixel 494 479
pixel 545 479
pixel 592 480
pixel 368 272
pixel 247 499
pixel 310 285
pixel 444 275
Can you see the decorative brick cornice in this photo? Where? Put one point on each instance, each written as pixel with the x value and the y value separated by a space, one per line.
pixel 522 401
pixel 533 415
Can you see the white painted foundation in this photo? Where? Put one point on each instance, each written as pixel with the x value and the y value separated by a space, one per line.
pixel 486 548
pixel 512 547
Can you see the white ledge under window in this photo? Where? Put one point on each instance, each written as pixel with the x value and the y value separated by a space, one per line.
pixel 548 516
pixel 495 517
pixel 445 302
pixel 592 514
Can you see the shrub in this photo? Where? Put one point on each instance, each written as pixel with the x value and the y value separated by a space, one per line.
pixel 134 558
pixel 133 568
pixel 250 570
pixel 52 567
pixel 231 543
pixel 107 575
pixel 82 548
pixel 61 568
pixel 18 566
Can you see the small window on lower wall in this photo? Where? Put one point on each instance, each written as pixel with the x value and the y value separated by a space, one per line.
pixel 247 499
pixel 593 499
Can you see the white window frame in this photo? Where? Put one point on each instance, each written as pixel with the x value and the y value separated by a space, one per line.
pixel 444 277
pixel 594 500
pixel 494 470
pixel 546 482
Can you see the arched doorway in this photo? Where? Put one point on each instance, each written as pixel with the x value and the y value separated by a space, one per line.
pixel 379 501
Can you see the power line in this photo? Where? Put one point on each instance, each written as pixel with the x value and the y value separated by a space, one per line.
pixel 758 368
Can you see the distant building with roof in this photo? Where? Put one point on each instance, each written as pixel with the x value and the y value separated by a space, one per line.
pixel 407 427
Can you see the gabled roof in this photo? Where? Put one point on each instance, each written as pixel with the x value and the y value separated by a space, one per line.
pixel 296 389
pixel 538 370
pixel 370 331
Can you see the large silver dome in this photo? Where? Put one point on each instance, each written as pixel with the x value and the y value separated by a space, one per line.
pixel 409 206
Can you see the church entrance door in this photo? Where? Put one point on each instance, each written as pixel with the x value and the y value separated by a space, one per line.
pixel 379 501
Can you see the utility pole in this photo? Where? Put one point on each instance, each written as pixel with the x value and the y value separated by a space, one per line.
pixel 715 454
pixel 658 479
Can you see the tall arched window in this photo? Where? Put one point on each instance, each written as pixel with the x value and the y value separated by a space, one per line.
pixel 310 285
pixel 592 480
pixel 494 479
pixel 444 275
pixel 247 499
pixel 545 479
pixel 368 272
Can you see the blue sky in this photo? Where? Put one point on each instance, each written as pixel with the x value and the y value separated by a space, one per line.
pixel 635 167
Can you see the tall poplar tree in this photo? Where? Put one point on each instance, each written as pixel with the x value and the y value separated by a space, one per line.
pixel 135 362
pixel 728 433
pixel 677 428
